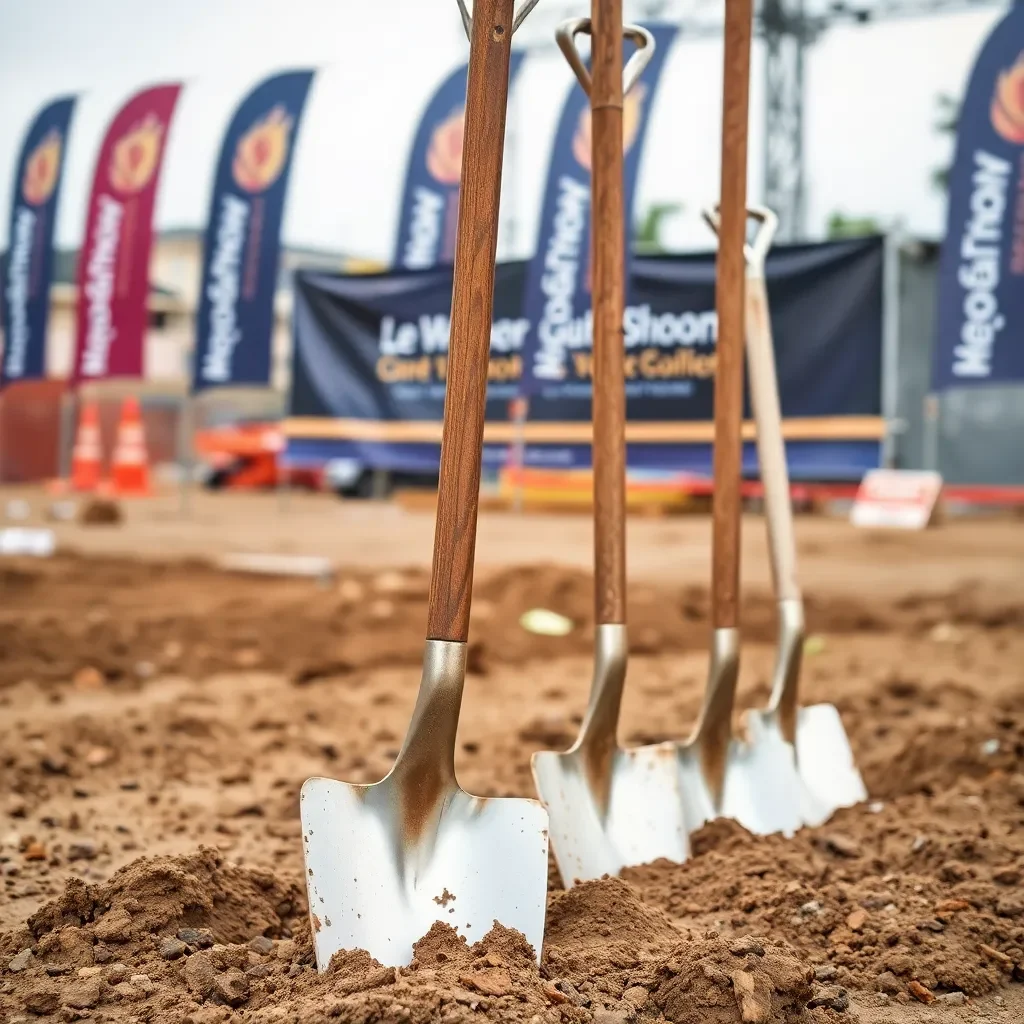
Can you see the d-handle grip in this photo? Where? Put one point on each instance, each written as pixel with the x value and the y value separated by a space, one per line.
pixel 565 36
pixel 517 19
pixel 756 251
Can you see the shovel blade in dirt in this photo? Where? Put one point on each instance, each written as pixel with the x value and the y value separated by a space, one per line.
pixel 375 883
pixel 636 823
pixel 384 862
pixel 827 773
pixel 610 807
pixel 722 776
pixel 815 771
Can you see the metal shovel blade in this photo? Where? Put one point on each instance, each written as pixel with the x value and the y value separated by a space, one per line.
pixel 824 760
pixel 384 862
pixel 610 808
pixel 722 776
pixel 631 818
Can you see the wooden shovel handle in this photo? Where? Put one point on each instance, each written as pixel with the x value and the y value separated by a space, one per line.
pixel 608 240
pixel 729 301
pixel 458 490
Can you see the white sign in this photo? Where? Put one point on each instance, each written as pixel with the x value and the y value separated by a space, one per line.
pixel 23 541
pixel 899 498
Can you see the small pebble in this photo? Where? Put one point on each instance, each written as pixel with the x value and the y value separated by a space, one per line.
pixel 117 973
pixel 21 961
pixel 82 849
pixel 952 998
pixel 811 907
pixel 826 972
pixel 142 982
pixel 747 946
pixel 231 988
pixel 200 938
pixel 173 949
pixel 262 945
pixel 832 998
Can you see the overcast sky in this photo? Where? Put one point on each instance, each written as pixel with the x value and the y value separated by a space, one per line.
pixel 869 112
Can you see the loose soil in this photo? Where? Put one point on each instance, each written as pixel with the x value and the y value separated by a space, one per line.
pixel 157 719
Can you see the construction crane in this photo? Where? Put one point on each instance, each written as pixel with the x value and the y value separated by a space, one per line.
pixel 788 28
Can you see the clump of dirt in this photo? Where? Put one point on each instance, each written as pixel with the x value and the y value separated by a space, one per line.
pixel 161 895
pixel 100 512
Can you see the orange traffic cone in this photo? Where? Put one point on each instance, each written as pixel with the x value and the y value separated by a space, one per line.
pixel 130 465
pixel 86 456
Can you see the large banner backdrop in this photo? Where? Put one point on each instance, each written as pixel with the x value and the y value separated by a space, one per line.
pixel 430 197
pixel 235 319
pixel 370 356
pixel 981 276
pixel 557 298
pixel 113 268
pixel 29 265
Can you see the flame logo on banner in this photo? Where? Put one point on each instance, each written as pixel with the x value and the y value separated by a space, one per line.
pixel 632 107
pixel 1008 104
pixel 135 156
pixel 444 155
pixel 262 151
pixel 41 167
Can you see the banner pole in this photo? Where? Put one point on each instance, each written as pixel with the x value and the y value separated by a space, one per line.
pixel 68 400
pixel 187 413
pixel 890 348
pixel 3 439
pixel 520 409
pixel 930 455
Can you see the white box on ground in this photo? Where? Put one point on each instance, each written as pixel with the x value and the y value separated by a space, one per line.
pixel 899 498
pixel 19 540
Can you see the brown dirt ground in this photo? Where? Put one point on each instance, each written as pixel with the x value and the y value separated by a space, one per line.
pixel 157 718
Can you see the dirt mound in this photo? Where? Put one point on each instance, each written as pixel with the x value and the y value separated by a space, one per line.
pixel 127 621
pixel 921 891
pixel 191 938
pixel 163 894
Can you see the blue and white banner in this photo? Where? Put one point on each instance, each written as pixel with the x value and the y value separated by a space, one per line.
pixel 28 269
pixel 370 362
pixel 557 298
pixel 235 319
pixel 981 275
pixel 430 198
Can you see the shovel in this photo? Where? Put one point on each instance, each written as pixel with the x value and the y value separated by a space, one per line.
pixel 828 776
pixel 722 776
pixel 384 862
pixel 609 807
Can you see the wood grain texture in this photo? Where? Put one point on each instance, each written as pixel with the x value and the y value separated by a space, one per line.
pixel 458 492
pixel 729 301
pixel 609 284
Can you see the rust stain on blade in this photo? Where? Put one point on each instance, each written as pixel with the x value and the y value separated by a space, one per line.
pixel 597 766
pixel 421 790
pixel 316 923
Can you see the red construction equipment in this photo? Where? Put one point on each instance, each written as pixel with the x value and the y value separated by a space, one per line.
pixel 87 455
pixel 129 475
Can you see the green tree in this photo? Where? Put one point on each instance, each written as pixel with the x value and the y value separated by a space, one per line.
pixel 842 226
pixel 647 232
